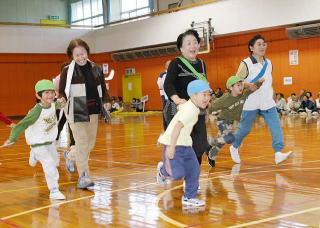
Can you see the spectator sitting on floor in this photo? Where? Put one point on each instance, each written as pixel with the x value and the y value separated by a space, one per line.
pixel 294 105
pixel 306 105
pixel 139 106
pixel 134 103
pixel 302 93
pixel 114 105
pixel 317 104
pixel 309 95
pixel 289 99
pixel 120 101
pixel 281 103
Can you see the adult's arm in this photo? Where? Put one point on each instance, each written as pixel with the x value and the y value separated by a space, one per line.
pixel 62 83
pixel 105 94
pixel 171 77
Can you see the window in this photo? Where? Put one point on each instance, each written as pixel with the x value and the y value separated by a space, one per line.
pixel 87 12
pixel 134 8
pixel 124 9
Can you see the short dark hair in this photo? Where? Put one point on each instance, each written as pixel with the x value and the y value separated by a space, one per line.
pixel 191 32
pixel 293 94
pixel 76 43
pixel 253 41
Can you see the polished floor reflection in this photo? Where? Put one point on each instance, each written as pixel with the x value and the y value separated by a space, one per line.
pixel 255 193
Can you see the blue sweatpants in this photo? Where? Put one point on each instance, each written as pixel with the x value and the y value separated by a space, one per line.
pixel 271 117
pixel 184 165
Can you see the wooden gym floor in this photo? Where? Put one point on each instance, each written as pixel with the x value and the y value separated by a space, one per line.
pixel 256 193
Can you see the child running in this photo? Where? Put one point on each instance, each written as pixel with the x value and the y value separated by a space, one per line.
pixel 179 159
pixel 40 126
pixel 231 105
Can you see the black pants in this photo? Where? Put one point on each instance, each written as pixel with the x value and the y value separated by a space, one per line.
pixel 200 143
pixel 61 123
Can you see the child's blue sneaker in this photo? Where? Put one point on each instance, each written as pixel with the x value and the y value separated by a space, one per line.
pixel 161 179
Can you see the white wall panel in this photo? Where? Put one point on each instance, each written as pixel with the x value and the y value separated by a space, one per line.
pixel 228 16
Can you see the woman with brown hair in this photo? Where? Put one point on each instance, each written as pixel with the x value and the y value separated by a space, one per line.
pixel 82 85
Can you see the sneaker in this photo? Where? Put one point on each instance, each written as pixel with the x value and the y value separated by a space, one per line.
pixel 192 202
pixel 234 154
pixel 211 162
pixel 69 163
pixel 280 157
pixel 211 155
pixel 32 159
pixel 161 179
pixel 84 181
pixel 56 194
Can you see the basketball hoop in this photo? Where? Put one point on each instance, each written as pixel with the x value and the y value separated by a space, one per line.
pixel 205 31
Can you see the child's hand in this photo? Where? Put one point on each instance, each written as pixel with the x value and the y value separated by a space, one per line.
pixel 7 144
pixel 261 80
pixel 170 152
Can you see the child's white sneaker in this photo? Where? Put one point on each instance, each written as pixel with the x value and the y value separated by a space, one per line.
pixel 234 154
pixel 280 157
pixel 56 194
pixel 32 159
pixel 192 202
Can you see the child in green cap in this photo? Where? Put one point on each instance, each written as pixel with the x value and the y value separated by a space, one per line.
pixel 40 126
pixel 230 105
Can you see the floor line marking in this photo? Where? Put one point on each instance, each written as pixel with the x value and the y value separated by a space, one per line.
pixel 69 201
pixel 276 217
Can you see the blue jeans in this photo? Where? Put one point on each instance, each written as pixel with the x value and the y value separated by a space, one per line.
pixel 184 165
pixel 271 117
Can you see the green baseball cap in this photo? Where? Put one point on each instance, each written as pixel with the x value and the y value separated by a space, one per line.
pixel 232 80
pixel 43 85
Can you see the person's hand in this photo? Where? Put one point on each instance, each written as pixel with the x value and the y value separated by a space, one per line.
pixel 62 102
pixel 261 80
pixel 7 144
pixel 12 125
pixel 180 101
pixel 107 106
pixel 170 152
pixel 251 86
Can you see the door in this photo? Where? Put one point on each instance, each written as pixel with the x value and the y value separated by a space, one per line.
pixel 131 87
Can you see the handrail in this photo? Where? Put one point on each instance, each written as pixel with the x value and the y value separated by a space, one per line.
pixel 51 25
pixel 114 22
